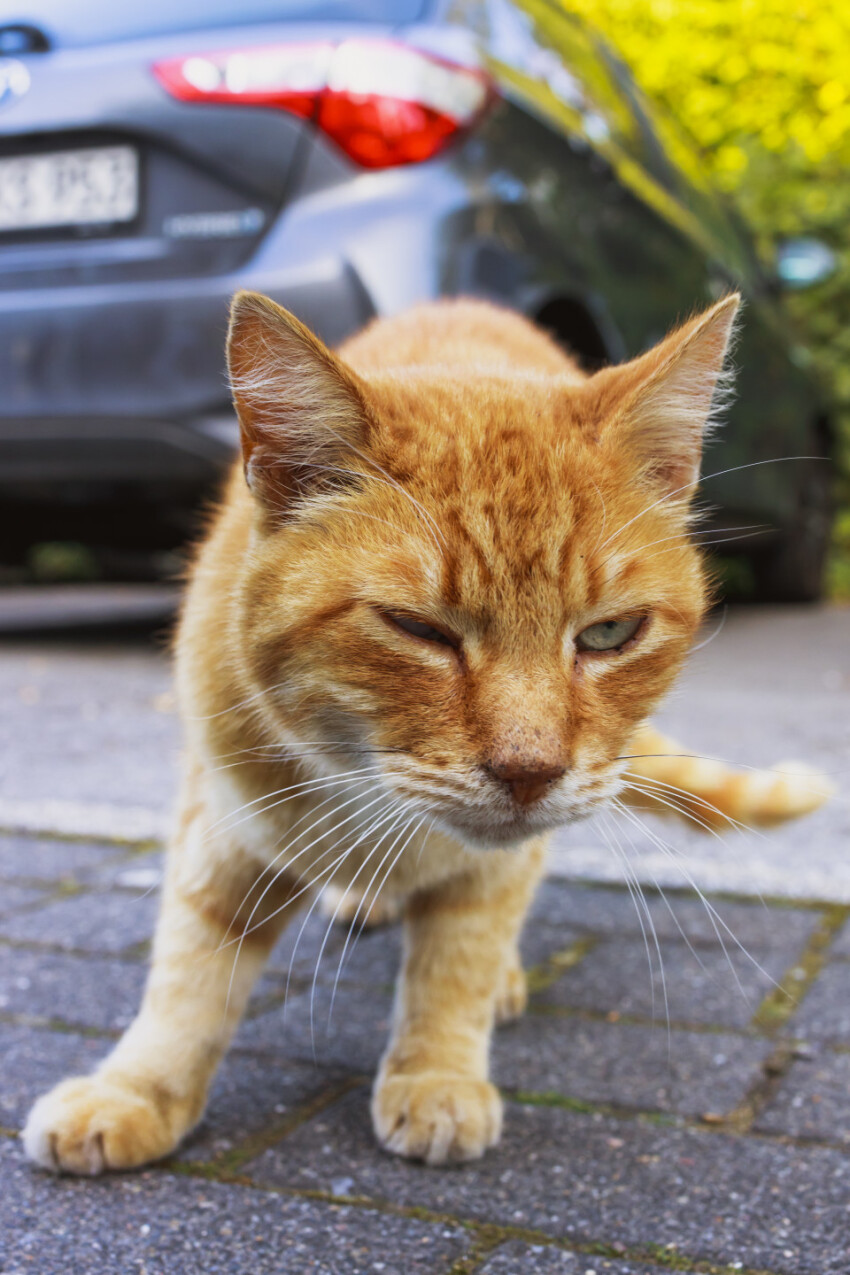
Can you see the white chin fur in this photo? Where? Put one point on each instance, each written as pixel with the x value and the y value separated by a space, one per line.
pixel 491 834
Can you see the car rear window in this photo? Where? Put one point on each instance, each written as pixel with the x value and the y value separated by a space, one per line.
pixel 85 22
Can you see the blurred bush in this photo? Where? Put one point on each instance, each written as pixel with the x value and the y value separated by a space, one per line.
pixel 763 87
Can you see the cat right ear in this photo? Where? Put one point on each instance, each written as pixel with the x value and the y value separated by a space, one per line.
pixel 300 409
pixel 660 404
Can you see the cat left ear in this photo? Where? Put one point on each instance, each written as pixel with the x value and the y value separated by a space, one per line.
pixel 300 409
pixel 666 398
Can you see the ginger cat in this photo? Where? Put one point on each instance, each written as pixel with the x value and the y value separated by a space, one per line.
pixel 426 630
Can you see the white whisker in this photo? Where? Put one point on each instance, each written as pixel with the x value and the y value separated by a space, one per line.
pixel 294 790
pixel 739 765
pixel 396 815
pixel 248 928
pixel 635 890
pixel 364 896
pixel 713 635
pixel 251 699
pixel 290 842
pixel 668 905
pixel 776 460
pixel 667 798
pixel 717 922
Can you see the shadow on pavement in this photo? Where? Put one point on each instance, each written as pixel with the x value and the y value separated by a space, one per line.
pixel 109 613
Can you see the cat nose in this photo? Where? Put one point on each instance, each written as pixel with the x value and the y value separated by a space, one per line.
pixel 527 781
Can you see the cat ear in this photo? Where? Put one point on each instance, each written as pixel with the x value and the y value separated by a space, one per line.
pixel 300 409
pixel 666 398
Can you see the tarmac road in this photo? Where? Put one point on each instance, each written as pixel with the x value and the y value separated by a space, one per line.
pixel 89 742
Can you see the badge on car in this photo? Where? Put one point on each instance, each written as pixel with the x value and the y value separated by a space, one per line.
pixel 14 80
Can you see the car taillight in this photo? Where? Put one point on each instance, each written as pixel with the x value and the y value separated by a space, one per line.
pixel 384 103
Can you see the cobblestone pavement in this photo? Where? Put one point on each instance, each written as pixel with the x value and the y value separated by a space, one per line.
pixel 720 1143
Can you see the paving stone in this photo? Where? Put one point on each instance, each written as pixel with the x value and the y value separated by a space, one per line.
pixel 40 859
pixel 354 1038
pixel 540 941
pixel 159 1224
pixel 690 1073
pixel 15 897
pixel 812 1100
pixel 82 991
pixel 34 1060
pixel 537 1259
pixel 594 1062
pixel 371 957
pixel 252 1095
pixel 612 911
pixel 95 922
pixel 825 1011
pixel 615 978
pixel 590 1179
pixel 78 990
pixel 140 872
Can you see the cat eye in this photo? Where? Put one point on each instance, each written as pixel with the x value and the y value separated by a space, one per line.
pixel 420 629
pixel 609 635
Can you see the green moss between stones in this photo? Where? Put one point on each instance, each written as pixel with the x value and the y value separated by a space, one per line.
pixel 782 1001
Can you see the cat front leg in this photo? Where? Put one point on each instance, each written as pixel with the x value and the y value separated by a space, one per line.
pixel 433 1099
pixel 151 1090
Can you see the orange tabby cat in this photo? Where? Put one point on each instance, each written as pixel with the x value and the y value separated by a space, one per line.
pixel 428 629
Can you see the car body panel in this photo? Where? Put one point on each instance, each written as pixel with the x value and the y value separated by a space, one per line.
pixel 111 342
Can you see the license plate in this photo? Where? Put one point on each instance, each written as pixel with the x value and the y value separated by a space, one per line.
pixel 91 187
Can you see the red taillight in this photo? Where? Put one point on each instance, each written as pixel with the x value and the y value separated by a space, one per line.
pixel 383 103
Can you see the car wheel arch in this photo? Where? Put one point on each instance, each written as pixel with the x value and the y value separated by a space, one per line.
pixel 579 327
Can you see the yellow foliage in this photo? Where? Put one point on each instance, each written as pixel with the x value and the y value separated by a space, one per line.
pixel 760 84
pixel 763 87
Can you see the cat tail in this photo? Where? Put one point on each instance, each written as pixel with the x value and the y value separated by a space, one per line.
pixel 667 779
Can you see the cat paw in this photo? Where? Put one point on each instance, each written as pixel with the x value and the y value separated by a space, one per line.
pixel 88 1125
pixel 436 1116
pixel 512 996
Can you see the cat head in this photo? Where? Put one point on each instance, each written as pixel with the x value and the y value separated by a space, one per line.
pixel 479 582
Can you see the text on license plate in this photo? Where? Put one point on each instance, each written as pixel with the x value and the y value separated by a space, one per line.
pixel 88 187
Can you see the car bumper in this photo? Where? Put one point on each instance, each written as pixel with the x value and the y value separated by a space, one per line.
pixel 117 384
pixel 127 381
pixel 49 452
